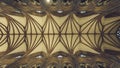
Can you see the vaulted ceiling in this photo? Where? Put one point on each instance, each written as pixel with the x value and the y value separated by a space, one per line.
pixel 28 27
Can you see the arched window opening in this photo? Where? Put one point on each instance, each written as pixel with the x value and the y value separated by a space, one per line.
pixel 82 65
pixel 20 2
pixel 16 0
pixel 38 66
pixel 100 65
pixel 60 56
pixel 67 65
pixel 67 2
pixel 52 66
pixel 83 2
pixel 102 2
pixel 39 57
pixel 18 57
pixel 54 2
pixel 37 2
pixel 82 55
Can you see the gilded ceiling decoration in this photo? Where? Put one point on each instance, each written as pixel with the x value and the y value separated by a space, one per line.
pixel 59 34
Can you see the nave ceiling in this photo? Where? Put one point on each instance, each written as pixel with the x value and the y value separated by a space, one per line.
pixel 40 28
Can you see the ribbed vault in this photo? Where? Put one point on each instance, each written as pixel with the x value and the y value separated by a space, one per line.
pixel 34 34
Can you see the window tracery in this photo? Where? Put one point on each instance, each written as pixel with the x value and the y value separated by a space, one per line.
pixel 101 2
pixel 54 2
pixel 67 65
pixel 67 2
pixel 84 65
